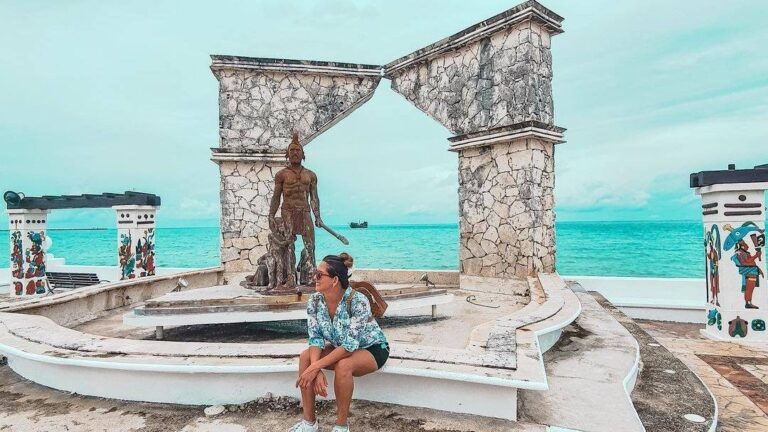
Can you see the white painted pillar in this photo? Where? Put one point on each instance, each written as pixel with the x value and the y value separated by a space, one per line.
pixel 28 243
pixel 734 242
pixel 135 240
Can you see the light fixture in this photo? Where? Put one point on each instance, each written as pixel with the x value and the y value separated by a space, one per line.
pixel 13 198
pixel 425 279
pixel 180 285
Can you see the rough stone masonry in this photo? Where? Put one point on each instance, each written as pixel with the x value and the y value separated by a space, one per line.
pixel 506 200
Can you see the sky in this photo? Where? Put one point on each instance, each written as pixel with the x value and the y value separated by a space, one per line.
pixel 100 96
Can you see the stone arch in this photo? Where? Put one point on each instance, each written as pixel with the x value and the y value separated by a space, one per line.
pixel 490 85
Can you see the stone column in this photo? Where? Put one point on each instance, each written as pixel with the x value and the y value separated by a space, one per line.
pixel 247 184
pixel 506 202
pixel 135 240
pixel 734 247
pixel 28 244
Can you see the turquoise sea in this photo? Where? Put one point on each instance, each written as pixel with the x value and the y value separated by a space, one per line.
pixel 661 249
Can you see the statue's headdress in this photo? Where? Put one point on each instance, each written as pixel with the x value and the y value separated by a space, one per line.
pixel 295 143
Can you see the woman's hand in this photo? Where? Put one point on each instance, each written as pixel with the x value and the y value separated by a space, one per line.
pixel 321 385
pixel 306 379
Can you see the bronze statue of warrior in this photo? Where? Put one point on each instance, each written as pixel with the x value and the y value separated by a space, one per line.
pixel 297 187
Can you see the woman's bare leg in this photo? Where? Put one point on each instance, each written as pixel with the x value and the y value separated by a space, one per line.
pixel 308 394
pixel 360 363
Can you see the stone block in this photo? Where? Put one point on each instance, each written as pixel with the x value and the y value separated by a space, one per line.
pixel 507 234
pixel 475 248
pixel 245 242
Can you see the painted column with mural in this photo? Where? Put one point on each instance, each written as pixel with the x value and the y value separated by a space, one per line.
pixel 733 209
pixel 136 240
pixel 27 230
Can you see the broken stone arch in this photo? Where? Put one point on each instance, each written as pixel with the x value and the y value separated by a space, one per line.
pixel 489 85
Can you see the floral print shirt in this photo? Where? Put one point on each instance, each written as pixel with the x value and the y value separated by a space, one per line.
pixel 350 331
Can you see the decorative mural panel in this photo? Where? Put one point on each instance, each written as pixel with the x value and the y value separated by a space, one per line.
pixel 145 253
pixel 746 242
pixel 28 256
pixel 17 260
pixel 34 257
pixel 127 260
pixel 737 291
pixel 136 241
pixel 714 249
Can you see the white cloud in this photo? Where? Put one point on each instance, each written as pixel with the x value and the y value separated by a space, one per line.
pixel 197 208
pixel 642 164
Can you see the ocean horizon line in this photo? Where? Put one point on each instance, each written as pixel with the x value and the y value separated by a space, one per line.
pixel 425 224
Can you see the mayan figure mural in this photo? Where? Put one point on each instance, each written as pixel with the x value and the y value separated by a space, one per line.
pixel 713 252
pixel 734 277
pixel 747 242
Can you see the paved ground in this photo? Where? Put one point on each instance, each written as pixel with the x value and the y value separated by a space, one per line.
pixel 735 373
pixel 666 389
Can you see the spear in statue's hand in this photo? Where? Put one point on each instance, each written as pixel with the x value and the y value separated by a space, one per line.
pixel 333 233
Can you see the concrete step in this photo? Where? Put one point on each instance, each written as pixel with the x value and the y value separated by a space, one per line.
pixel 590 372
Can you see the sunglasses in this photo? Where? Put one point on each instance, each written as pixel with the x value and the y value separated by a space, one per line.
pixel 319 275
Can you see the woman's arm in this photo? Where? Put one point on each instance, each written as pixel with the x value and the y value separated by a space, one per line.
pixel 307 379
pixel 314 354
pixel 334 356
pixel 359 315
pixel 313 327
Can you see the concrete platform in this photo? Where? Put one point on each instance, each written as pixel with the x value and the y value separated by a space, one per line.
pixel 235 304
pixel 480 377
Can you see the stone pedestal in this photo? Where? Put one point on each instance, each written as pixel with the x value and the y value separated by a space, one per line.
pixel 27 229
pixel 136 240
pixel 506 202
pixel 734 249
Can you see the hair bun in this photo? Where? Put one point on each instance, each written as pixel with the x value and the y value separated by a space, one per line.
pixel 347 259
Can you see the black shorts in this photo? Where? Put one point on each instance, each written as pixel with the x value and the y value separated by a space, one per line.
pixel 380 353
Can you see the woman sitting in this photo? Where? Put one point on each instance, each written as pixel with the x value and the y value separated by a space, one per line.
pixel 343 337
